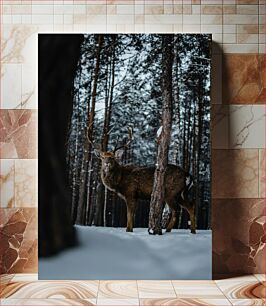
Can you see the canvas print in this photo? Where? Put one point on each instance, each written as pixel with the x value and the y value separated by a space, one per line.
pixel 137 159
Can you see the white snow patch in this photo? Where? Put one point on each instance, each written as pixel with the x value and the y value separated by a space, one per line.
pixel 159 132
pixel 112 253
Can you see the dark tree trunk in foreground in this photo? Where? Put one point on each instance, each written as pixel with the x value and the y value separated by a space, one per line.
pixel 58 58
pixel 157 197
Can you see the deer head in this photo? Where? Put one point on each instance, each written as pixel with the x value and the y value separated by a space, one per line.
pixel 109 158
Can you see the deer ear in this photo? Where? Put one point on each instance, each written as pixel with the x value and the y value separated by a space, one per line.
pixel 97 153
pixel 119 154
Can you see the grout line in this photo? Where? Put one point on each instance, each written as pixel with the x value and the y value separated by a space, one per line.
pixel 221 290
pixel 98 289
pixel 138 292
pixel 175 290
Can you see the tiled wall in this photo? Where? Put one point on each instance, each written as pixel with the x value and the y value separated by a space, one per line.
pixel 238 114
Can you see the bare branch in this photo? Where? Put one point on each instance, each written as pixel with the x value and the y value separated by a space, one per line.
pixel 126 145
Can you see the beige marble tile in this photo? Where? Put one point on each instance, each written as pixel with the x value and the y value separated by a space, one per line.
pixel 154 9
pixel 10 86
pixel 42 19
pixel 80 19
pixel 168 8
pixel 19 46
pixel 51 290
pixel 240 19
pixel 237 279
pixel 184 302
pixel 240 48
pixel 158 28
pixel 209 28
pixel 79 9
pixel 156 289
pixel 195 9
pixel 48 302
pixel 18 43
pixel 262 38
pixel 248 302
pixel 229 38
pixel 217 2
pixel 211 9
pixel 139 19
pixel 18 233
pixel 43 9
pixel 229 9
pixel 124 1
pixel 178 9
pixel 21 9
pixel 247 9
pixel 5 279
pixel 235 173
pixel 29 86
pixel 117 302
pixel 18 133
pixel 190 28
pixel 26 183
pixel 247 38
pixel 25 277
pixel 220 126
pixel 125 28
pixel 110 10
pixel 247 1
pixel 187 10
pixel 260 277
pixel 247 126
pixel 118 290
pixel 139 9
pixel 121 19
pixel 238 244
pixel 229 29
pixel 7 179
pixel 217 38
pixel 262 178
pixel 211 19
pixel 163 19
pixel 191 19
pixel 248 28
pixel 243 77
pixel 197 289
pixel 96 9
pixel 243 290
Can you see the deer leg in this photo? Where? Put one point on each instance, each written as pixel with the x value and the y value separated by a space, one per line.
pixel 172 222
pixel 173 217
pixel 191 209
pixel 192 214
pixel 130 215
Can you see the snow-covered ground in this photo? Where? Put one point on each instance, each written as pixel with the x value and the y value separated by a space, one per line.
pixel 112 253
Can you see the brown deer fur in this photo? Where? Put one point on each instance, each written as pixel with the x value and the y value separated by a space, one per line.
pixel 132 183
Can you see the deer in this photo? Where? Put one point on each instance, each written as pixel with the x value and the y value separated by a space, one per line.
pixel 132 183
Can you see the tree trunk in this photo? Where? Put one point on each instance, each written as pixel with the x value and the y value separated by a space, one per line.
pixel 101 190
pixel 83 203
pixel 157 197
pixel 59 55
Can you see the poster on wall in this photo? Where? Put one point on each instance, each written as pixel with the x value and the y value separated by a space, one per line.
pixel 136 156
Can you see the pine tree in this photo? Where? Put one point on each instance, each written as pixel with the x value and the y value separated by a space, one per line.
pixel 157 196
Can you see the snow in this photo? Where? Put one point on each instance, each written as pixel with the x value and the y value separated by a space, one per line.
pixel 159 132
pixel 112 253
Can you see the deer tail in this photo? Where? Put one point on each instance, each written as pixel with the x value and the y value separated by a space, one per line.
pixel 188 185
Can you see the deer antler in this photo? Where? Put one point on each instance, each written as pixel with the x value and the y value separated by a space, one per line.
pixel 130 139
pixel 97 149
